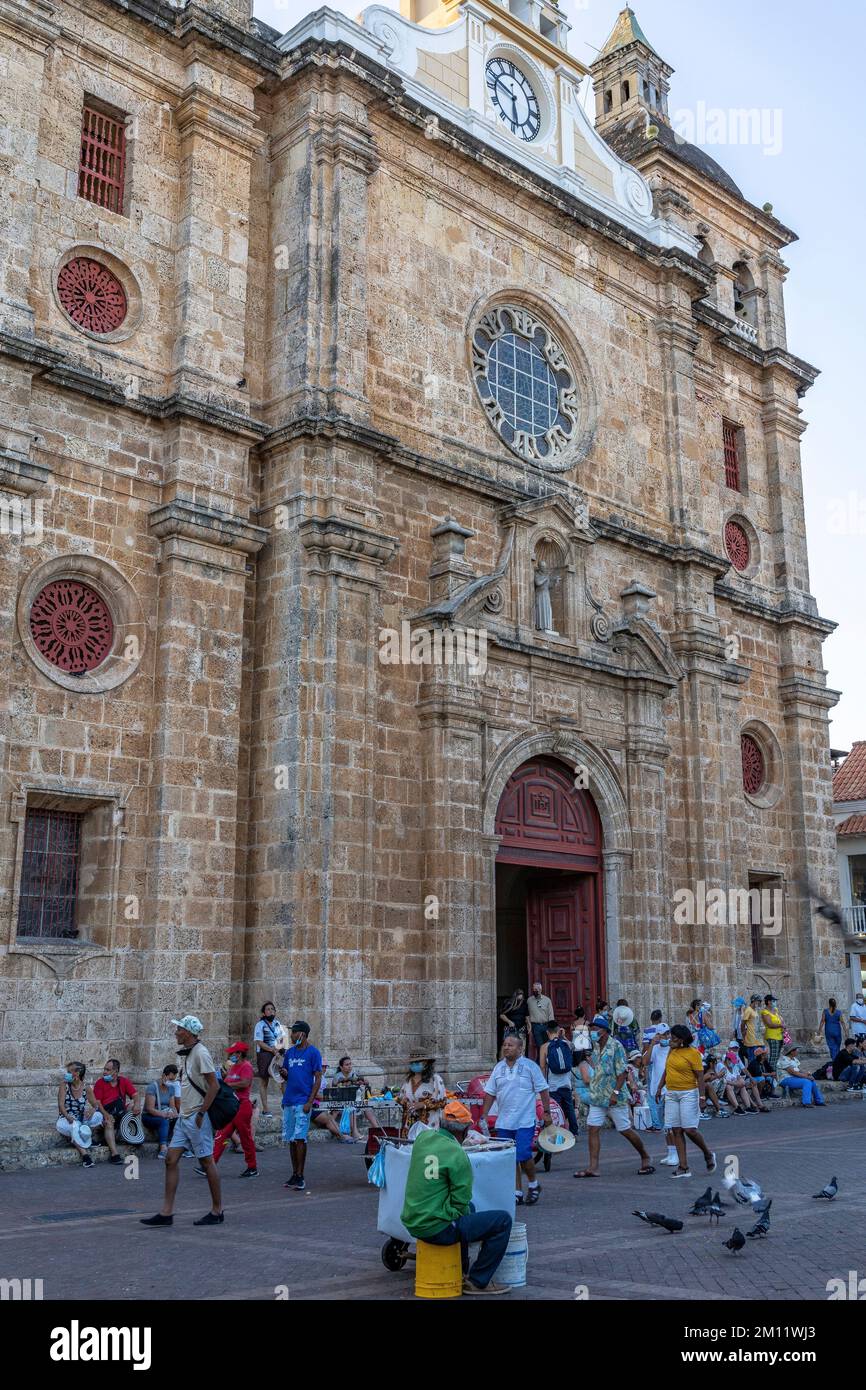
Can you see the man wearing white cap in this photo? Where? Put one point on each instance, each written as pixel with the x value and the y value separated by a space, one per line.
pixel 193 1130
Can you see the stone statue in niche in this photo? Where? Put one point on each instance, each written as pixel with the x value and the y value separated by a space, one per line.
pixel 543 607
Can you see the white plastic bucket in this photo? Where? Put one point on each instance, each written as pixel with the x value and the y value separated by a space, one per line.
pixel 512 1270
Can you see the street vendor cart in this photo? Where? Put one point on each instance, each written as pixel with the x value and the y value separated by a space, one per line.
pixel 492 1166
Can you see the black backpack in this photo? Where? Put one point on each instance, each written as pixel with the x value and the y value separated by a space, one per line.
pixel 559 1056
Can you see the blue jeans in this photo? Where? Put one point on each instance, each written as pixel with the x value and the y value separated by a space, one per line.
pixel 808 1089
pixel 539 1036
pixel 854 1075
pixel 161 1125
pixel 565 1100
pixel 656 1111
pixel 834 1042
pixel 492 1228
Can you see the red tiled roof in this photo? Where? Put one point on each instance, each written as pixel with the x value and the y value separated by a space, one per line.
pixel 854 825
pixel 849 781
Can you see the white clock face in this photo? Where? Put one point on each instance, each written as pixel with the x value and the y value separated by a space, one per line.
pixel 514 99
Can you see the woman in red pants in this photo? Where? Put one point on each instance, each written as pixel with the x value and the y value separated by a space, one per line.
pixel 240 1077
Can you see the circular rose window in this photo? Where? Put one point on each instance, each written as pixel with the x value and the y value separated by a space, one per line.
pixel 526 383
pixel 754 767
pixel 71 626
pixel 91 295
pixel 737 546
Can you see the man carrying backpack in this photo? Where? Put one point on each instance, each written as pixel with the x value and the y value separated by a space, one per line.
pixel 193 1130
pixel 555 1062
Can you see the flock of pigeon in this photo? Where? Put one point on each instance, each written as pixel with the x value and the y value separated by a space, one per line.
pixel 744 1191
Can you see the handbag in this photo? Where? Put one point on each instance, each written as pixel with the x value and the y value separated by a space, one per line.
pixel 224 1106
pixel 786 1038
pixel 708 1037
pixel 346 1119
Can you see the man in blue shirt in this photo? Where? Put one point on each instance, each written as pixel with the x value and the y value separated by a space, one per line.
pixel 302 1073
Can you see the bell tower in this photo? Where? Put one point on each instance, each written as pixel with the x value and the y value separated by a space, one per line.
pixel 628 76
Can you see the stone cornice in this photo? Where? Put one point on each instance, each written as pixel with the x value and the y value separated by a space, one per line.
pixel 192 521
pixel 803 373
pixel 22 475
pixel 30 21
pixel 350 549
pixel 613 529
pixel 783 616
pixel 57 370
pixel 799 695
pixel 201 113
pixel 196 22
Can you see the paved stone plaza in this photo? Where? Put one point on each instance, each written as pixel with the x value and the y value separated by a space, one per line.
pixel 325 1245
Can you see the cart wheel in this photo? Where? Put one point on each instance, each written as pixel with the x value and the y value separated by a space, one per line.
pixel 394 1255
pixel 545 1162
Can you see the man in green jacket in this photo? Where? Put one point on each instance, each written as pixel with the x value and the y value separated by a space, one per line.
pixel 438 1206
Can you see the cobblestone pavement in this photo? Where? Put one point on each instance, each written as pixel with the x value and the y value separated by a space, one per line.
pixel 77 1229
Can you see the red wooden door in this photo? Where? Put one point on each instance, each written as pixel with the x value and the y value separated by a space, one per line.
pixel 563 919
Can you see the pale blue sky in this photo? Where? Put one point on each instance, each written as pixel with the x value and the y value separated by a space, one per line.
pixel 806 63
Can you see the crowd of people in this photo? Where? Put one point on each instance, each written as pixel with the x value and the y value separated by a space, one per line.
pixel 660 1078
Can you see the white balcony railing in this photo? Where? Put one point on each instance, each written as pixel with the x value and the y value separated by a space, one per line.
pixel 745 330
pixel 855 918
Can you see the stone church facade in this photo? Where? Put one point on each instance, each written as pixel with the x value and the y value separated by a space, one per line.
pixel 325 358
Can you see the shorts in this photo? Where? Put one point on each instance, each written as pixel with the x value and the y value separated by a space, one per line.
pixel 189 1135
pixel 523 1140
pixel 296 1125
pixel 263 1062
pixel 682 1109
pixel 618 1113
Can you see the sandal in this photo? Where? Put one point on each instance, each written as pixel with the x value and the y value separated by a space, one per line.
pixel 586 1173
pixel 644 1172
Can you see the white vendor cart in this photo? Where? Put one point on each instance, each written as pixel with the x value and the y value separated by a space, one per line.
pixel 492 1190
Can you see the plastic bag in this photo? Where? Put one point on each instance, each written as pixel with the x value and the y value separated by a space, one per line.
pixel 376 1171
pixel 346 1120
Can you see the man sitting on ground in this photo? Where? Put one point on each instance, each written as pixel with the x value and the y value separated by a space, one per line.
pixel 114 1094
pixel 438 1207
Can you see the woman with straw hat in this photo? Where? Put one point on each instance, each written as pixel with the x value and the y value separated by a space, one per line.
pixel 422 1094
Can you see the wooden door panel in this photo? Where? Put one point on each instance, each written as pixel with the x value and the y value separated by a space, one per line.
pixel 563 943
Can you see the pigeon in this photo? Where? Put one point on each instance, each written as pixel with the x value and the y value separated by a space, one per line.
pixel 744 1190
pixel 829 1191
pixel 702 1203
pixel 736 1242
pixel 715 1209
pixel 655 1218
pixel 761 1226
pixel 762 1207
pixel 829 911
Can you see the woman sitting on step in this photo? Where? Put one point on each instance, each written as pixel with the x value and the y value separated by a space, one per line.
pixel 74 1099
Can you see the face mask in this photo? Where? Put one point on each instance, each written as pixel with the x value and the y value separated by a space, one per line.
pixel 67 1076
pixel 106 1076
pixel 416 1066
pixel 594 1034
pixel 664 1042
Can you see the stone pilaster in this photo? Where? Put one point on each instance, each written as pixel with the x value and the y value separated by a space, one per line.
pixel 187 917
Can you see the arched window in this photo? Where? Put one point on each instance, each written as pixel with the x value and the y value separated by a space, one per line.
pixel 608 101
pixel 626 91
pixel 745 302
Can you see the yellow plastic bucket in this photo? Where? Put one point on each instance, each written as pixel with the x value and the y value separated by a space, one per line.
pixel 438 1271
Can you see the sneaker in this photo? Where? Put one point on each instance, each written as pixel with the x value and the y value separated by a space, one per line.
pixel 250 1173
pixel 158 1220
pixel 532 1196
pixel 116 1158
pixel 267 1114
pixel 293 1181
pixel 210 1219
pixel 669 1162
pixel 519 1199
pixel 87 1162
pixel 163 1153
pixel 686 1174
pixel 469 1287
pixel 299 1186
pixel 711 1166
pixel 199 1171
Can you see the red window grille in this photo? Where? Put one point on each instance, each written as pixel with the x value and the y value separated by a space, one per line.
pixel 91 295
pixel 71 626
pixel 49 874
pixel 754 769
pixel 102 166
pixel 730 435
pixel 737 546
